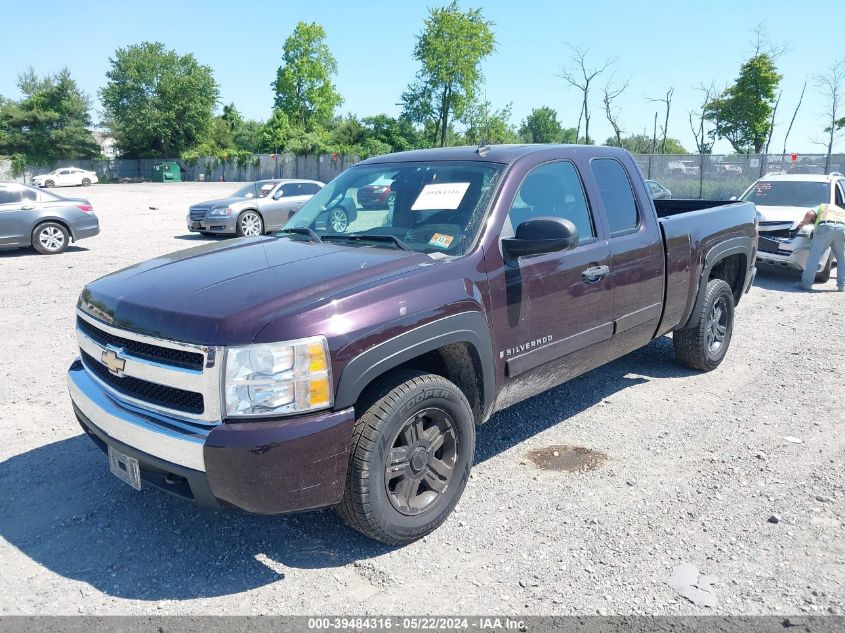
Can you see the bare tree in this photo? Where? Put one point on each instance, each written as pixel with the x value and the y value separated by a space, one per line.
pixel 698 122
pixel 667 100
pixel 581 76
pixel 832 84
pixel 613 112
pixel 794 114
pixel 772 122
pixel 654 136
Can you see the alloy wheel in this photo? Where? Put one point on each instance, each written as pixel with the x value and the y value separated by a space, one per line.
pixel 251 224
pixel 717 325
pixel 421 461
pixel 51 238
pixel 339 220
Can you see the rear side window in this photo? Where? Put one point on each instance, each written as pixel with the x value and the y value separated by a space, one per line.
pixel 617 195
pixel 309 188
pixel 555 190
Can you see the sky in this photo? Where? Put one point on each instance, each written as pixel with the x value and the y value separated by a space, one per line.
pixel 659 45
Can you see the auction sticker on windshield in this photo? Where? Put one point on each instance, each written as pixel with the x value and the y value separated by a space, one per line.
pixel 447 195
pixel 439 240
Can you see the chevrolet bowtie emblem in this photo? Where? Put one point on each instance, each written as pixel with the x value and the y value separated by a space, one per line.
pixel 114 362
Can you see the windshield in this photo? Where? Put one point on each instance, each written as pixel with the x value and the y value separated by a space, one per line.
pixel 429 207
pixel 784 193
pixel 258 189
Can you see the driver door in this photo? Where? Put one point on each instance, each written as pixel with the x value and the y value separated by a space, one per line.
pixel 552 309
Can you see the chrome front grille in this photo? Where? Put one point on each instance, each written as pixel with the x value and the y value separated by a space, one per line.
pixel 198 213
pixel 181 380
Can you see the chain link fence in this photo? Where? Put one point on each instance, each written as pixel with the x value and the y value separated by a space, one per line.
pixel 718 177
pixel 323 167
pixel 707 176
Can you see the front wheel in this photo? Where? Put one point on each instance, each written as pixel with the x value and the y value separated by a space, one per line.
pixel 250 224
pixel 86 182
pixel 823 276
pixel 48 184
pixel 412 451
pixel 704 344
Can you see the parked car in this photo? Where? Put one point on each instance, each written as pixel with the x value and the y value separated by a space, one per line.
pixel 43 220
pixel 377 196
pixel 782 201
pixel 683 167
pixel 658 191
pixel 66 177
pixel 255 209
pixel 317 368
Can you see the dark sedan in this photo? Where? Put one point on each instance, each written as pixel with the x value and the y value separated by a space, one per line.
pixel 376 196
pixel 43 220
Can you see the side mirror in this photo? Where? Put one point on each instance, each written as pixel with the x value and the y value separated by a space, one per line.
pixel 732 198
pixel 541 235
pixel 278 194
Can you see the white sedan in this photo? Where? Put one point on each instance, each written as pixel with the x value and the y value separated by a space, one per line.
pixel 66 177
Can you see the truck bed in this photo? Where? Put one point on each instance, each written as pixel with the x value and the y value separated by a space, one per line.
pixel 667 208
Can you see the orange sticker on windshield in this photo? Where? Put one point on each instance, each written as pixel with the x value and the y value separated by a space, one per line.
pixel 440 241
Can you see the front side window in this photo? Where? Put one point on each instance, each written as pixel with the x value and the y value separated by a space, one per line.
pixel 616 194
pixel 437 206
pixel 553 190
pixel 259 189
pixel 290 189
pixel 10 195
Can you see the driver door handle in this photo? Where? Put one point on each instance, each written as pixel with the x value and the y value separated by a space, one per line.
pixel 594 274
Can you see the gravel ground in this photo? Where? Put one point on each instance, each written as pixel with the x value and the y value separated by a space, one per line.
pixel 696 465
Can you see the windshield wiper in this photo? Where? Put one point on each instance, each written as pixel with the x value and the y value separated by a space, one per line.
pixel 303 230
pixel 392 239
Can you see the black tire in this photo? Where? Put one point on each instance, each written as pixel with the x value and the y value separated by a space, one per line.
pixel 823 276
pixel 86 182
pixel 402 506
pixel 704 344
pixel 249 224
pixel 48 184
pixel 50 238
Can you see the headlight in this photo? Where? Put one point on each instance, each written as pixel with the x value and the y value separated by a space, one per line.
pixel 220 211
pixel 278 378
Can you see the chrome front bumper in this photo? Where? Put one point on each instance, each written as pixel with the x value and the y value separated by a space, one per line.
pixel 160 436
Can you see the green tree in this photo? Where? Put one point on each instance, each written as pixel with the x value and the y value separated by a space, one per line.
pixel 489 126
pixel 541 126
pixel 157 102
pixel 304 89
pixel 742 113
pixel 642 144
pixel 276 132
pixel 450 50
pixel 51 121
pixel 398 134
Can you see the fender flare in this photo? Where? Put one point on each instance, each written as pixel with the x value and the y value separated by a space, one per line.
pixel 466 327
pixel 733 246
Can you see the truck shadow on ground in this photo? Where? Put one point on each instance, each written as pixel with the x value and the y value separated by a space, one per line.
pixel 61 507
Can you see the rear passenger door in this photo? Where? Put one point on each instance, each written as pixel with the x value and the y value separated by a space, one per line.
pixel 636 250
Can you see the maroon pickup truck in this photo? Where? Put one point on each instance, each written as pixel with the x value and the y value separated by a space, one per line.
pixel 314 368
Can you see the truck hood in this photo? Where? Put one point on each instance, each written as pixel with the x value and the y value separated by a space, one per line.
pixel 223 294
pixel 787 215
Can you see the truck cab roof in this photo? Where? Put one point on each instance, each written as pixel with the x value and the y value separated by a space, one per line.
pixel 503 154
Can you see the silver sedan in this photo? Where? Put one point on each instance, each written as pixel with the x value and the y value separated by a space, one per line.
pixel 254 209
pixel 43 220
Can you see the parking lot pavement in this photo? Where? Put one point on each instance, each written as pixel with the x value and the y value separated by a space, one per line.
pixel 683 468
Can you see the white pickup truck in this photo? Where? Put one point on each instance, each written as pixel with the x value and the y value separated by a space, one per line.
pixel 782 201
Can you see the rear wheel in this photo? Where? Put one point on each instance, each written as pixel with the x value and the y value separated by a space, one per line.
pixel 411 455
pixel 50 238
pixel 704 344
pixel 338 219
pixel 823 276
pixel 391 201
pixel 250 224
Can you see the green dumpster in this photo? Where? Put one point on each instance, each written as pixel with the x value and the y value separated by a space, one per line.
pixel 168 171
